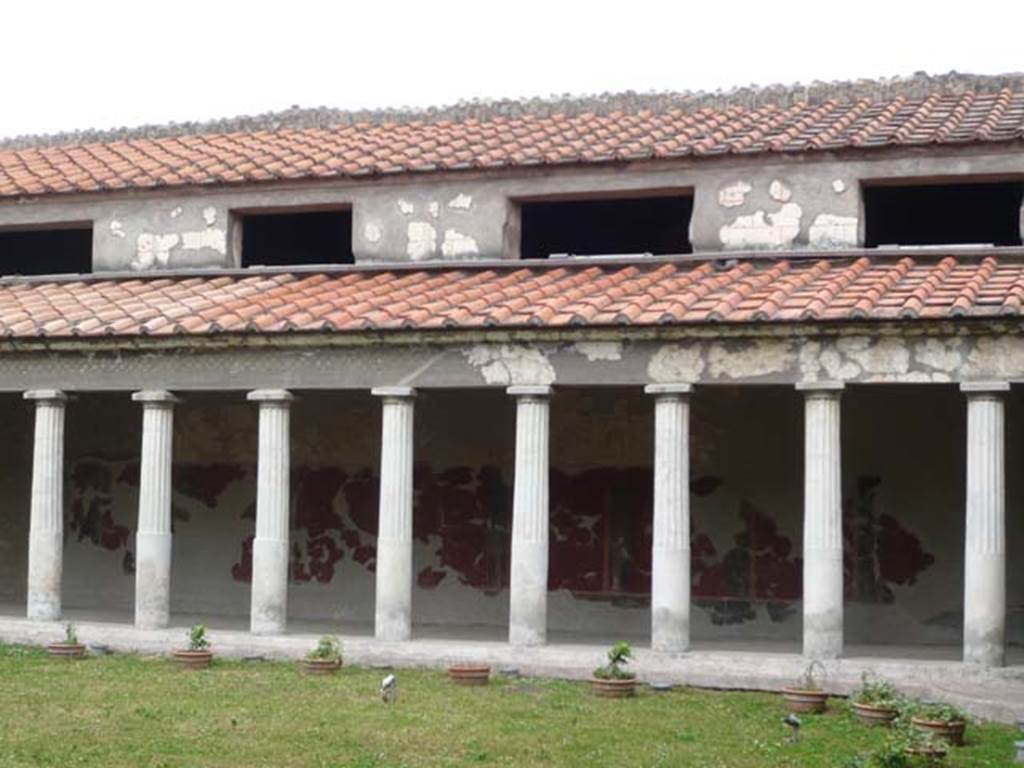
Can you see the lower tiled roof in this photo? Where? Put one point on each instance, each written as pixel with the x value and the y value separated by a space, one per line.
pixel 868 286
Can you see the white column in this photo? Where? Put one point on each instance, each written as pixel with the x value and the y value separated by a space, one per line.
pixel 270 548
pixel 823 522
pixel 670 555
pixel 46 518
pixel 529 578
pixel 153 535
pixel 394 536
pixel 985 533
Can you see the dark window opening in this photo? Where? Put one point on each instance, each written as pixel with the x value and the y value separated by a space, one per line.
pixel 287 239
pixel 943 214
pixel 46 252
pixel 658 225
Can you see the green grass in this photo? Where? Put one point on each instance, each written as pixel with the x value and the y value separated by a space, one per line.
pixel 135 711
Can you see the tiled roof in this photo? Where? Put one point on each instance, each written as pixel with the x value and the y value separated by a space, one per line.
pixel 548 295
pixel 516 140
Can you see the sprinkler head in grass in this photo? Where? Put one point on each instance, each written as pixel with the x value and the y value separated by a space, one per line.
pixel 389 689
pixel 792 722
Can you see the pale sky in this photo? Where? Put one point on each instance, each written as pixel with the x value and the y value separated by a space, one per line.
pixel 103 64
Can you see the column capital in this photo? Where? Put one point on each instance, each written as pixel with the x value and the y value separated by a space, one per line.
pixel 154 398
pixel 270 396
pixel 830 389
pixel 535 391
pixel 394 393
pixel 46 395
pixel 668 390
pixel 984 388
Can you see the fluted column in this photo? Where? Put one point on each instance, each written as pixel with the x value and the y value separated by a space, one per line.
pixel 670 554
pixel 823 522
pixel 270 547
pixel 153 535
pixel 985 533
pixel 46 518
pixel 393 620
pixel 529 578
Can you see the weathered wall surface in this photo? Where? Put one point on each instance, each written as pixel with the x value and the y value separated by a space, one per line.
pixel 903 488
pixel 739 203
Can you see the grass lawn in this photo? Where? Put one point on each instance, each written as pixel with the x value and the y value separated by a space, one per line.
pixel 136 711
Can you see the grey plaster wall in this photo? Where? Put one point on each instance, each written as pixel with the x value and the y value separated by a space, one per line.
pixel 740 203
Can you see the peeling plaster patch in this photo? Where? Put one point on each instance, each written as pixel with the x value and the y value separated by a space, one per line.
pixel 599 350
pixel 779 192
pixel 422 240
pixel 457 244
pixel 461 202
pixel 176 212
pixel 510 364
pixel 831 231
pixel 999 357
pixel 117 228
pixel 675 363
pixel 837 369
pixel 210 215
pixel 733 195
pixel 942 355
pixel 434 208
pixel 405 207
pixel 214 239
pixel 153 250
pixel 876 356
pixel 838 186
pixel 754 231
pixel 749 360
pixel 372 233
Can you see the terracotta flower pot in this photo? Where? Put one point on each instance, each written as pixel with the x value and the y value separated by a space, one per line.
pixel 469 674
pixel 874 715
pixel 66 650
pixel 798 700
pixel 951 732
pixel 321 666
pixel 613 688
pixel 931 754
pixel 192 659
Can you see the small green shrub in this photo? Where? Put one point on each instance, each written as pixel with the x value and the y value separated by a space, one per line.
pixel 618 656
pixel 808 681
pixel 938 713
pixel 70 634
pixel 876 692
pixel 197 639
pixel 328 649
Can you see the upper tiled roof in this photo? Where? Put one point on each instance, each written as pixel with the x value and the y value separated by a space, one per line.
pixel 635 129
pixel 547 295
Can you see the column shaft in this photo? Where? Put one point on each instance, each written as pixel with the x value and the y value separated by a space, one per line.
pixel 46 518
pixel 670 555
pixel 985 530
pixel 393 619
pixel 529 571
pixel 269 609
pixel 823 524
pixel 153 536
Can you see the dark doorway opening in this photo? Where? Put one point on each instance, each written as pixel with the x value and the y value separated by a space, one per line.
pixel 287 239
pixel 46 251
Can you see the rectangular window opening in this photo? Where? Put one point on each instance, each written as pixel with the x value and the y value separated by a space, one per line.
pixel 290 239
pixel 56 251
pixel 634 225
pixel 986 213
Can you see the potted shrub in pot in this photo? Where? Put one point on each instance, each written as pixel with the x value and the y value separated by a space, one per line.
pixel 806 695
pixel 469 674
pixel 69 647
pixel 611 680
pixel 325 658
pixel 876 701
pixel 198 654
pixel 942 721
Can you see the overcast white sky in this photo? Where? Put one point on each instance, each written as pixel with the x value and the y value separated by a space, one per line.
pixel 103 64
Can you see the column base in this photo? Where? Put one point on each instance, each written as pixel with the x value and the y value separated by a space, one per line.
pixel 670 600
pixel 393 613
pixel 528 593
pixel 45 574
pixel 269 610
pixel 985 609
pixel 152 580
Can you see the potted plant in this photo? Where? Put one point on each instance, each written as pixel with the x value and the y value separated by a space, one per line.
pixel 469 674
pixel 917 744
pixel 806 695
pixel 325 658
pixel 69 647
pixel 198 654
pixel 943 721
pixel 611 680
pixel 876 701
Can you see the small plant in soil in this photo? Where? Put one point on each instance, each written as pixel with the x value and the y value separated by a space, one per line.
pixel 69 647
pixel 806 694
pixel 197 638
pixel 327 649
pixel 198 654
pixel 940 721
pixel 618 657
pixel 70 634
pixel 876 701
